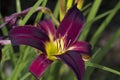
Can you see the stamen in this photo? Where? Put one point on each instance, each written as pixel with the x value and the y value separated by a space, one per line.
pixel 68 44
pixel 57 45
pixel 60 44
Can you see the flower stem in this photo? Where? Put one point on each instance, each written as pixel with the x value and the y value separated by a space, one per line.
pixel 18 6
pixel 25 76
pixel 104 24
pixel 91 16
pixel 39 15
pixel 102 67
pixel 31 12
pixel 4 29
pixel 100 53
pixel 62 9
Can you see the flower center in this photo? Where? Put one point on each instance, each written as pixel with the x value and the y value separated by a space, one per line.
pixel 55 48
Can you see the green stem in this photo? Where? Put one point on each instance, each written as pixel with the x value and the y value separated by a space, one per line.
pixel 4 29
pixel 18 6
pixel 55 68
pixel 62 9
pixel 31 12
pixel 39 15
pixel 104 24
pixel 90 17
pixel 22 62
pixel 99 17
pixel 56 12
pixel 103 68
pixel 17 70
pixel 86 6
pixel 100 53
pixel 54 19
pixel 85 13
pixel 25 76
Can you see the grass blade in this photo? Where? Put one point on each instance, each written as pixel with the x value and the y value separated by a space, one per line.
pixel 104 24
pixel 100 53
pixel 90 17
pixel 31 12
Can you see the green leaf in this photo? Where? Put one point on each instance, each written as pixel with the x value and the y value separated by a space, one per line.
pixel 56 10
pixel 39 15
pixel 4 29
pixel 18 6
pixel 62 9
pixel 100 53
pixel 104 24
pixel 103 68
pixel 31 12
pixel 90 17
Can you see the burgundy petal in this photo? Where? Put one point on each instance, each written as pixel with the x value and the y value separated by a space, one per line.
pixel 82 47
pixel 47 26
pixel 39 65
pixel 28 35
pixel 72 24
pixel 74 61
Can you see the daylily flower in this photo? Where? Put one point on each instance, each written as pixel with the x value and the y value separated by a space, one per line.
pixel 55 44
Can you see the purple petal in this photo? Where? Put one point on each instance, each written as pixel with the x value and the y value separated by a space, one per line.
pixel 47 26
pixel 82 47
pixel 74 61
pixel 72 24
pixel 28 35
pixel 39 65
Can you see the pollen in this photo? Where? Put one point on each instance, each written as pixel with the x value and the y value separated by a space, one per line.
pixel 55 47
